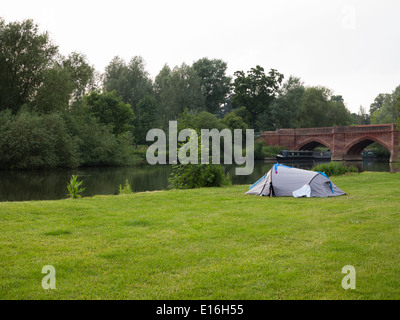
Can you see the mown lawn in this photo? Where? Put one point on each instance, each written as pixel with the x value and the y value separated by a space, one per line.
pixel 215 243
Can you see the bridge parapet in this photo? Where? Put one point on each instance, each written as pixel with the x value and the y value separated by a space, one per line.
pixel 369 128
pixel 309 131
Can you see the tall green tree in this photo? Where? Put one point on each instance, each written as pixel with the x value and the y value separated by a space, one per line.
pixel 161 82
pixel 227 106
pixel 130 80
pixel 378 103
pixel 161 85
pixel 313 108
pixel 337 114
pixel 178 89
pixel 110 110
pixel 65 82
pixel 25 56
pixel 319 108
pixel 255 91
pixel 388 112
pixel 214 82
pixel 363 118
pixel 146 119
pixel 81 74
pixel 55 92
pixel 33 73
pixel 286 107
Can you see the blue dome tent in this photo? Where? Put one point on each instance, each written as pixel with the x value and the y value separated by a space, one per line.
pixel 284 181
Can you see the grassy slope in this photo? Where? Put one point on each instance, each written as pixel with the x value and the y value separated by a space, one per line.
pixel 215 243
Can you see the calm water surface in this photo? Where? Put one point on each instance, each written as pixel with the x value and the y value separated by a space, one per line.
pixel 52 184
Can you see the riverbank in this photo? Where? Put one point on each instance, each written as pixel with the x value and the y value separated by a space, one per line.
pixel 214 243
pixel 23 185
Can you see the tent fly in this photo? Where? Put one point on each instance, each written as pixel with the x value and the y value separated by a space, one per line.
pixel 284 181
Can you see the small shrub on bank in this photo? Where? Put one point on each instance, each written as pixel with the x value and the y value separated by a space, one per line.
pixel 74 188
pixel 271 151
pixel 190 176
pixel 126 189
pixel 261 150
pixel 334 168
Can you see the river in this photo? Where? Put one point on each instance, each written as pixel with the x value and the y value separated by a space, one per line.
pixel 52 184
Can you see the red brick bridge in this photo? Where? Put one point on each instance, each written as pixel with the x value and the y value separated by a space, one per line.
pixel 345 143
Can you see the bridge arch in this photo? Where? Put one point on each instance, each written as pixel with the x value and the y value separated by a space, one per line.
pixel 312 143
pixel 354 148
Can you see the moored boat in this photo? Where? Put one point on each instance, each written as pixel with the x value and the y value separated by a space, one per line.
pixel 322 155
pixel 368 154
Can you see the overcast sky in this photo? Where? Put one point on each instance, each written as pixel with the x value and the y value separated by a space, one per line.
pixel 351 47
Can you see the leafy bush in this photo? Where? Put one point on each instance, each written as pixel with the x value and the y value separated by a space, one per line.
pixel 335 168
pixel 110 110
pixel 189 176
pixel 233 121
pixel 29 140
pixel 97 145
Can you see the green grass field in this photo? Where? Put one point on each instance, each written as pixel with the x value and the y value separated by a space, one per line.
pixel 215 243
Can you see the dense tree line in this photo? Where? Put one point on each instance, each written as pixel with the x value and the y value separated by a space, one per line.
pixel 58 110
pixel 52 113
